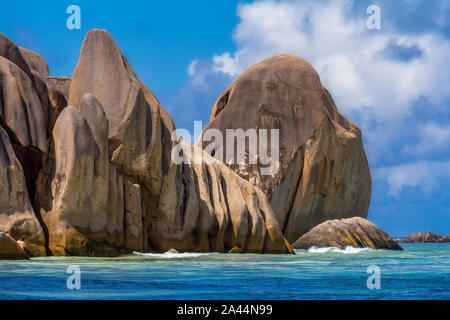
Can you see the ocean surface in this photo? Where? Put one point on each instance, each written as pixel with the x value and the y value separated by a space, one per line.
pixel 421 271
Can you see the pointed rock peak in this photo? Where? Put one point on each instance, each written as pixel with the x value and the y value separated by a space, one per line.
pixel 101 71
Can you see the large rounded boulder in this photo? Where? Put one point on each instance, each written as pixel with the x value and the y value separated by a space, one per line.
pixel 353 232
pixel 321 172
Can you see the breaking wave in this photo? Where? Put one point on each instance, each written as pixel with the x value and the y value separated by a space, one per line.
pixel 347 250
pixel 171 254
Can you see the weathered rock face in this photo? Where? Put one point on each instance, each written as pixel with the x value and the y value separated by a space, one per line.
pixel 356 232
pixel 16 213
pixel 109 185
pixel 445 239
pixel 81 186
pixel 60 84
pixel 9 248
pixel 207 207
pixel 422 237
pixel 11 52
pixel 35 61
pixel 323 172
pixel 139 127
pixel 21 109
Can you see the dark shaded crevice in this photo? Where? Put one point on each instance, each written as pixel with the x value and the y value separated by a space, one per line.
pixel 198 231
pixel 184 198
pixel 31 162
pixel 222 102
pixel 300 152
pixel 249 231
pixel 228 239
pixel 38 215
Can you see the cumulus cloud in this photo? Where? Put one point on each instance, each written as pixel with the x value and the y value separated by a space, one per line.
pixel 376 77
pixel 373 75
pixel 423 174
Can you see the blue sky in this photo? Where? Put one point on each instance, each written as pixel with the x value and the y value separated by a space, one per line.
pixel 394 82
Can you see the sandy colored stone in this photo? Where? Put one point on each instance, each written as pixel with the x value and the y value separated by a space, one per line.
pixel 21 109
pixel 445 239
pixel 133 218
pixel 323 172
pixel 60 84
pixel 9 248
pixel 34 66
pixel 17 217
pixel 207 207
pixel 356 232
pixel 139 128
pixel 11 52
pixel 421 237
pixel 95 116
pixel 77 213
pixel 235 250
pixel 35 61
pixel 204 207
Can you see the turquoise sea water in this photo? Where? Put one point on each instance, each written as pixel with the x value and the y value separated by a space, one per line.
pixel 422 271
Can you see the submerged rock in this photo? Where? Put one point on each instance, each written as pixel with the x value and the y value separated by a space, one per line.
pixel 322 171
pixel 356 232
pixel 422 237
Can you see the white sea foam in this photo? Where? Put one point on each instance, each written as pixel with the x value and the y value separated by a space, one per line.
pixel 347 250
pixel 171 254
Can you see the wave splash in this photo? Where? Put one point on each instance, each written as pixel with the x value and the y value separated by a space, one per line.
pixel 171 254
pixel 347 250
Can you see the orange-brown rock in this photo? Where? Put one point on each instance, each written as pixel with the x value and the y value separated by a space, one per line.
pixel 9 248
pixel 421 237
pixel 16 213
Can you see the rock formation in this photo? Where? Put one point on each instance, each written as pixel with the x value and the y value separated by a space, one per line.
pixel 421 237
pixel 323 171
pixel 356 232
pixel 16 213
pixel 9 248
pixel 445 239
pixel 87 162
pixel 87 169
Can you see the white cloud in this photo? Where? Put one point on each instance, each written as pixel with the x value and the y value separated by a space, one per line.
pixel 191 69
pixel 370 73
pixel 347 57
pixel 435 139
pixel 424 174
